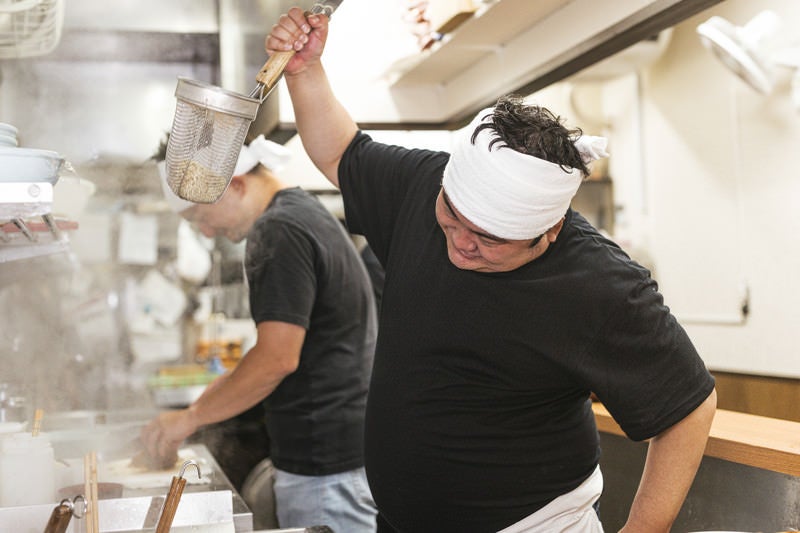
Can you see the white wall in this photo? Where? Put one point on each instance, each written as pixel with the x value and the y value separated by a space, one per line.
pixel 706 187
pixel 706 169
pixel 707 190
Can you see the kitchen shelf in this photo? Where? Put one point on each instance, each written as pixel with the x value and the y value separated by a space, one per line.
pixel 15 245
pixel 509 47
pixel 474 39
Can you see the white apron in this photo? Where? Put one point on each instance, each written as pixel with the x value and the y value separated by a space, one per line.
pixel 572 512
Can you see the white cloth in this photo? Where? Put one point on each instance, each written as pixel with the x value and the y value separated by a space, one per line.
pixel 270 154
pixel 572 512
pixel 194 259
pixel 509 194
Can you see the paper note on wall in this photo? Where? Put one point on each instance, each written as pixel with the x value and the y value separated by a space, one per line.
pixel 138 239
pixel 92 242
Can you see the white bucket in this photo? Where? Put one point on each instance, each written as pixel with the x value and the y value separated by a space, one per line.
pixel 27 470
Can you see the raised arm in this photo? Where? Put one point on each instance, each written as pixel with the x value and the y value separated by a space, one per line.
pixel 325 127
pixel 673 457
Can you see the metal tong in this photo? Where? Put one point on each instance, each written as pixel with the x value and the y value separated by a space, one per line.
pixel 174 498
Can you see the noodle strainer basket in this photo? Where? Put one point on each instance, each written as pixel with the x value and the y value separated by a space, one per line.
pixel 208 131
pixel 210 126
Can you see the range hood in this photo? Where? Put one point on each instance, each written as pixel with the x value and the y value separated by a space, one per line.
pixel 506 46
pixel 225 37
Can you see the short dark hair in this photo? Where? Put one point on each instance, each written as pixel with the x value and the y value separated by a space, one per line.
pixel 534 130
pixel 161 152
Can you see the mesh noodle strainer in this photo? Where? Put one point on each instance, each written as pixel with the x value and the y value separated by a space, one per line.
pixel 210 126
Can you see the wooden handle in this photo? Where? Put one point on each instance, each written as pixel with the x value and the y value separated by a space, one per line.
pixel 272 70
pixel 171 504
pixel 59 519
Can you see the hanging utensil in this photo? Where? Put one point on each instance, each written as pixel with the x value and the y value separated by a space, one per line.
pixel 62 513
pixel 210 126
pixel 174 498
pixel 271 72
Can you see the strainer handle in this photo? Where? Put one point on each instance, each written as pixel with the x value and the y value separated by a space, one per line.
pixel 272 70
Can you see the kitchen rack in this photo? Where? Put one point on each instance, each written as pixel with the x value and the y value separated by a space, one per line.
pixel 27 227
pixel 30 27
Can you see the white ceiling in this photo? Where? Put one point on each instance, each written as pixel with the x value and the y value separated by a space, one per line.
pixel 371 57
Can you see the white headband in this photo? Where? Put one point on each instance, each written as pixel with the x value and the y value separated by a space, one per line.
pixel 270 154
pixel 507 193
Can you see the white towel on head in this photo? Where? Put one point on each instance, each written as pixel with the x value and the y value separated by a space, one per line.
pixel 591 148
pixel 270 154
pixel 506 193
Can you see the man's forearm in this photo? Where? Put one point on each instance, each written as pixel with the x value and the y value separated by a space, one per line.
pixel 672 461
pixel 275 355
pixel 238 391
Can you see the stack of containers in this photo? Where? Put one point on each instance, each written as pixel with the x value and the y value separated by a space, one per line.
pixel 8 135
pixel 26 164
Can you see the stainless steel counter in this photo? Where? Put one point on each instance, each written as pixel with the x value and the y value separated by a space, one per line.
pixel 242 516
pixel 207 504
pixel 110 434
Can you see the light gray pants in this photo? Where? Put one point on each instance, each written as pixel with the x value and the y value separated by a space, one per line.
pixel 343 502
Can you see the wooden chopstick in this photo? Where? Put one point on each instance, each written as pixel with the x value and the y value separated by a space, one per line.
pixel 95 499
pixel 87 491
pixel 37 422
pixel 90 489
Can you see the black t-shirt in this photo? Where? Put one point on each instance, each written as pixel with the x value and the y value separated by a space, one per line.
pixel 302 268
pixel 479 410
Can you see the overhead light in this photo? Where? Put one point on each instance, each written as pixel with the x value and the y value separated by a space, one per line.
pixel 751 51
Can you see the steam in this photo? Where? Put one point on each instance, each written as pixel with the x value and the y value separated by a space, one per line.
pixel 56 336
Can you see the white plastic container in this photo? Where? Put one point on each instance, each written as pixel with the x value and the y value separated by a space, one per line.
pixel 7 140
pixel 11 131
pixel 7 428
pixel 29 164
pixel 27 470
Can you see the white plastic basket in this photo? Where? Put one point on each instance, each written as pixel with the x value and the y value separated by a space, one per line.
pixel 30 27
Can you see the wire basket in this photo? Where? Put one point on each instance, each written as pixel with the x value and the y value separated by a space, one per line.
pixel 208 131
pixel 30 27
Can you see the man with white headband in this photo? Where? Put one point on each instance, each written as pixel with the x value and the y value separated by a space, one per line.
pixel 312 302
pixel 503 310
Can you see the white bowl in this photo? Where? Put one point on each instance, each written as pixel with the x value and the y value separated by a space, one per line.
pixel 7 140
pixel 29 164
pixel 11 427
pixel 8 129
